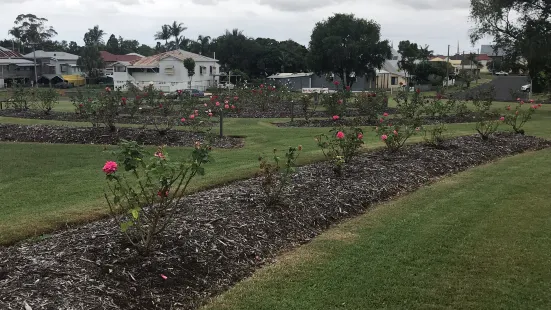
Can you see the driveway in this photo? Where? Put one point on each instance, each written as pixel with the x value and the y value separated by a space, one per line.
pixel 503 86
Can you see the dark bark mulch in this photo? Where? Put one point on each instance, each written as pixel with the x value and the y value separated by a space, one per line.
pixel 223 235
pixel 328 122
pixel 91 135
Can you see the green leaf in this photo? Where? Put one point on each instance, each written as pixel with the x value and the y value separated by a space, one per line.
pixel 126 225
pixel 135 213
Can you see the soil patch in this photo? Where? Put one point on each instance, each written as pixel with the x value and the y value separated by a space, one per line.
pixel 223 234
pixel 90 135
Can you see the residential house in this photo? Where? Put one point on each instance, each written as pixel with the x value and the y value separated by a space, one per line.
pixel 492 52
pixel 110 59
pixel 54 67
pixel 484 59
pixel 14 68
pixel 166 71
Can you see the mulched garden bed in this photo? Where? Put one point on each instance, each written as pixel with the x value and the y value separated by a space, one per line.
pixel 90 135
pixel 224 234
pixel 328 122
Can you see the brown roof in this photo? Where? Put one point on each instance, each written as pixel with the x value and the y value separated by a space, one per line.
pixel 153 61
pixel 108 57
pixel 483 57
pixel 6 53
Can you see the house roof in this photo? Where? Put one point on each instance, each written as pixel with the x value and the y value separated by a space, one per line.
pixel 136 54
pixel 15 61
pixel 7 53
pixel 57 55
pixel 483 57
pixel 108 57
pixel 289 75
pixel 153 61
pixel 489 50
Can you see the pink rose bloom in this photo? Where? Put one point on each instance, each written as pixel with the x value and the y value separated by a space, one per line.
pixel 417 129
pixel 217 103
pixel 261 85
pixel 232 106
pixel 235 98
pixel 164 277
pixel 539 105
pixel 226 106
pixel 502 118
pixel 183 119
pixel 340 101
pixel 192 116
pixel 226 102
pixel 336 83
pixel 522 102
pixel 534 106
pixel 381 120
pixel 160 155
pixel 385 114
pixel 335 117
pixel 395 132
pixel 340 135
pixel 110 167
pixel 360 136
pixel 210 114
pixel 206 105
pixel 384 137
pixel 531 100
pixel 107 89
pixel 518 99
pixel 196 112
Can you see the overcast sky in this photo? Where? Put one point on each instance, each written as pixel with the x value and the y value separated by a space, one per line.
pixel 433 22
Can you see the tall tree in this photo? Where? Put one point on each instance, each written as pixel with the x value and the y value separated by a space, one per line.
pixel 30 29
pixel 204 45
pixel 94 36
pixel 409 53
pixel 164 34
pixel 146 50
pixel 176 30
pixel 112 45
pixel 347 46
pixel 189 64
pixel 74 48
pixel 521 27
pixel 128 46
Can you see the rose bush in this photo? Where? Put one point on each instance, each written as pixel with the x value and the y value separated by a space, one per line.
pixel 341 145
pixel 145 191
pixel 275 177
pixel 518 116
pixel 394 136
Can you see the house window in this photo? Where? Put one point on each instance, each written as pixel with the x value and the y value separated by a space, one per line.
pixel 210 68
pixel 201 70
pixel 393 80
pixel 169 70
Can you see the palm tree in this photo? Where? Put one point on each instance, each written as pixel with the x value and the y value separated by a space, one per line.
pixel 164 34
pixel 176 30
pixel 204 42
pixel 17 34
pixel 425 53
pixel 94 36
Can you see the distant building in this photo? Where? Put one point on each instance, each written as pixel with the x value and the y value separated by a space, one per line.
pixel 166 71
pixel 110 59
pixel 14 68
pixel 54 67
pixel 491 51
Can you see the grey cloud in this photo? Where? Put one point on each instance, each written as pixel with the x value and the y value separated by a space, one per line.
pixel 296 5
pixel 206 2
pixel 435 4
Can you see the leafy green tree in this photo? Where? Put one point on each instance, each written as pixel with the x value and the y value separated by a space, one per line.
pixel 128 46
pixel 112 45
pixel 30 29
pixel 146 50
pixel 347 46
pixel 90 60
pixel 189 64
pixel 74 48
pixel 176 29
pixel 410 53
pixel 94 36
pixel 519 27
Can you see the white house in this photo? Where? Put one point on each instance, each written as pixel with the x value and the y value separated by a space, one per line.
pixel 166 71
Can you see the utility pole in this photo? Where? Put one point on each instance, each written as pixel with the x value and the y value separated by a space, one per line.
pixel 34 56
pixel 447 68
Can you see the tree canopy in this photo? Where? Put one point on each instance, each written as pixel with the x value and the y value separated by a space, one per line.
pixel 521 28
pixel 347 47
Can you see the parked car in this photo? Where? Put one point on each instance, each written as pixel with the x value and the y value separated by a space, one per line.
pixel 501 73
pixel 226 85
pixel 526 88
pixel 194 93
pixel 171 95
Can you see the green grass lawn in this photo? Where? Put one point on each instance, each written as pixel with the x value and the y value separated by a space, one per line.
pixel 45 186
pixel 477 240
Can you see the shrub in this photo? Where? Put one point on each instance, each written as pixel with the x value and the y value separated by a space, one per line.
pixel 486 120
pixel 106 107
pixel 341 145
pixel 19 97
pixel 46 99
pixel 371 104
pixel 146 194
pixel 437 108
pixel 276 178
pixel 307 106
pixel 517 117
pixel 410 106
pixel 335 103
pixel 394 136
